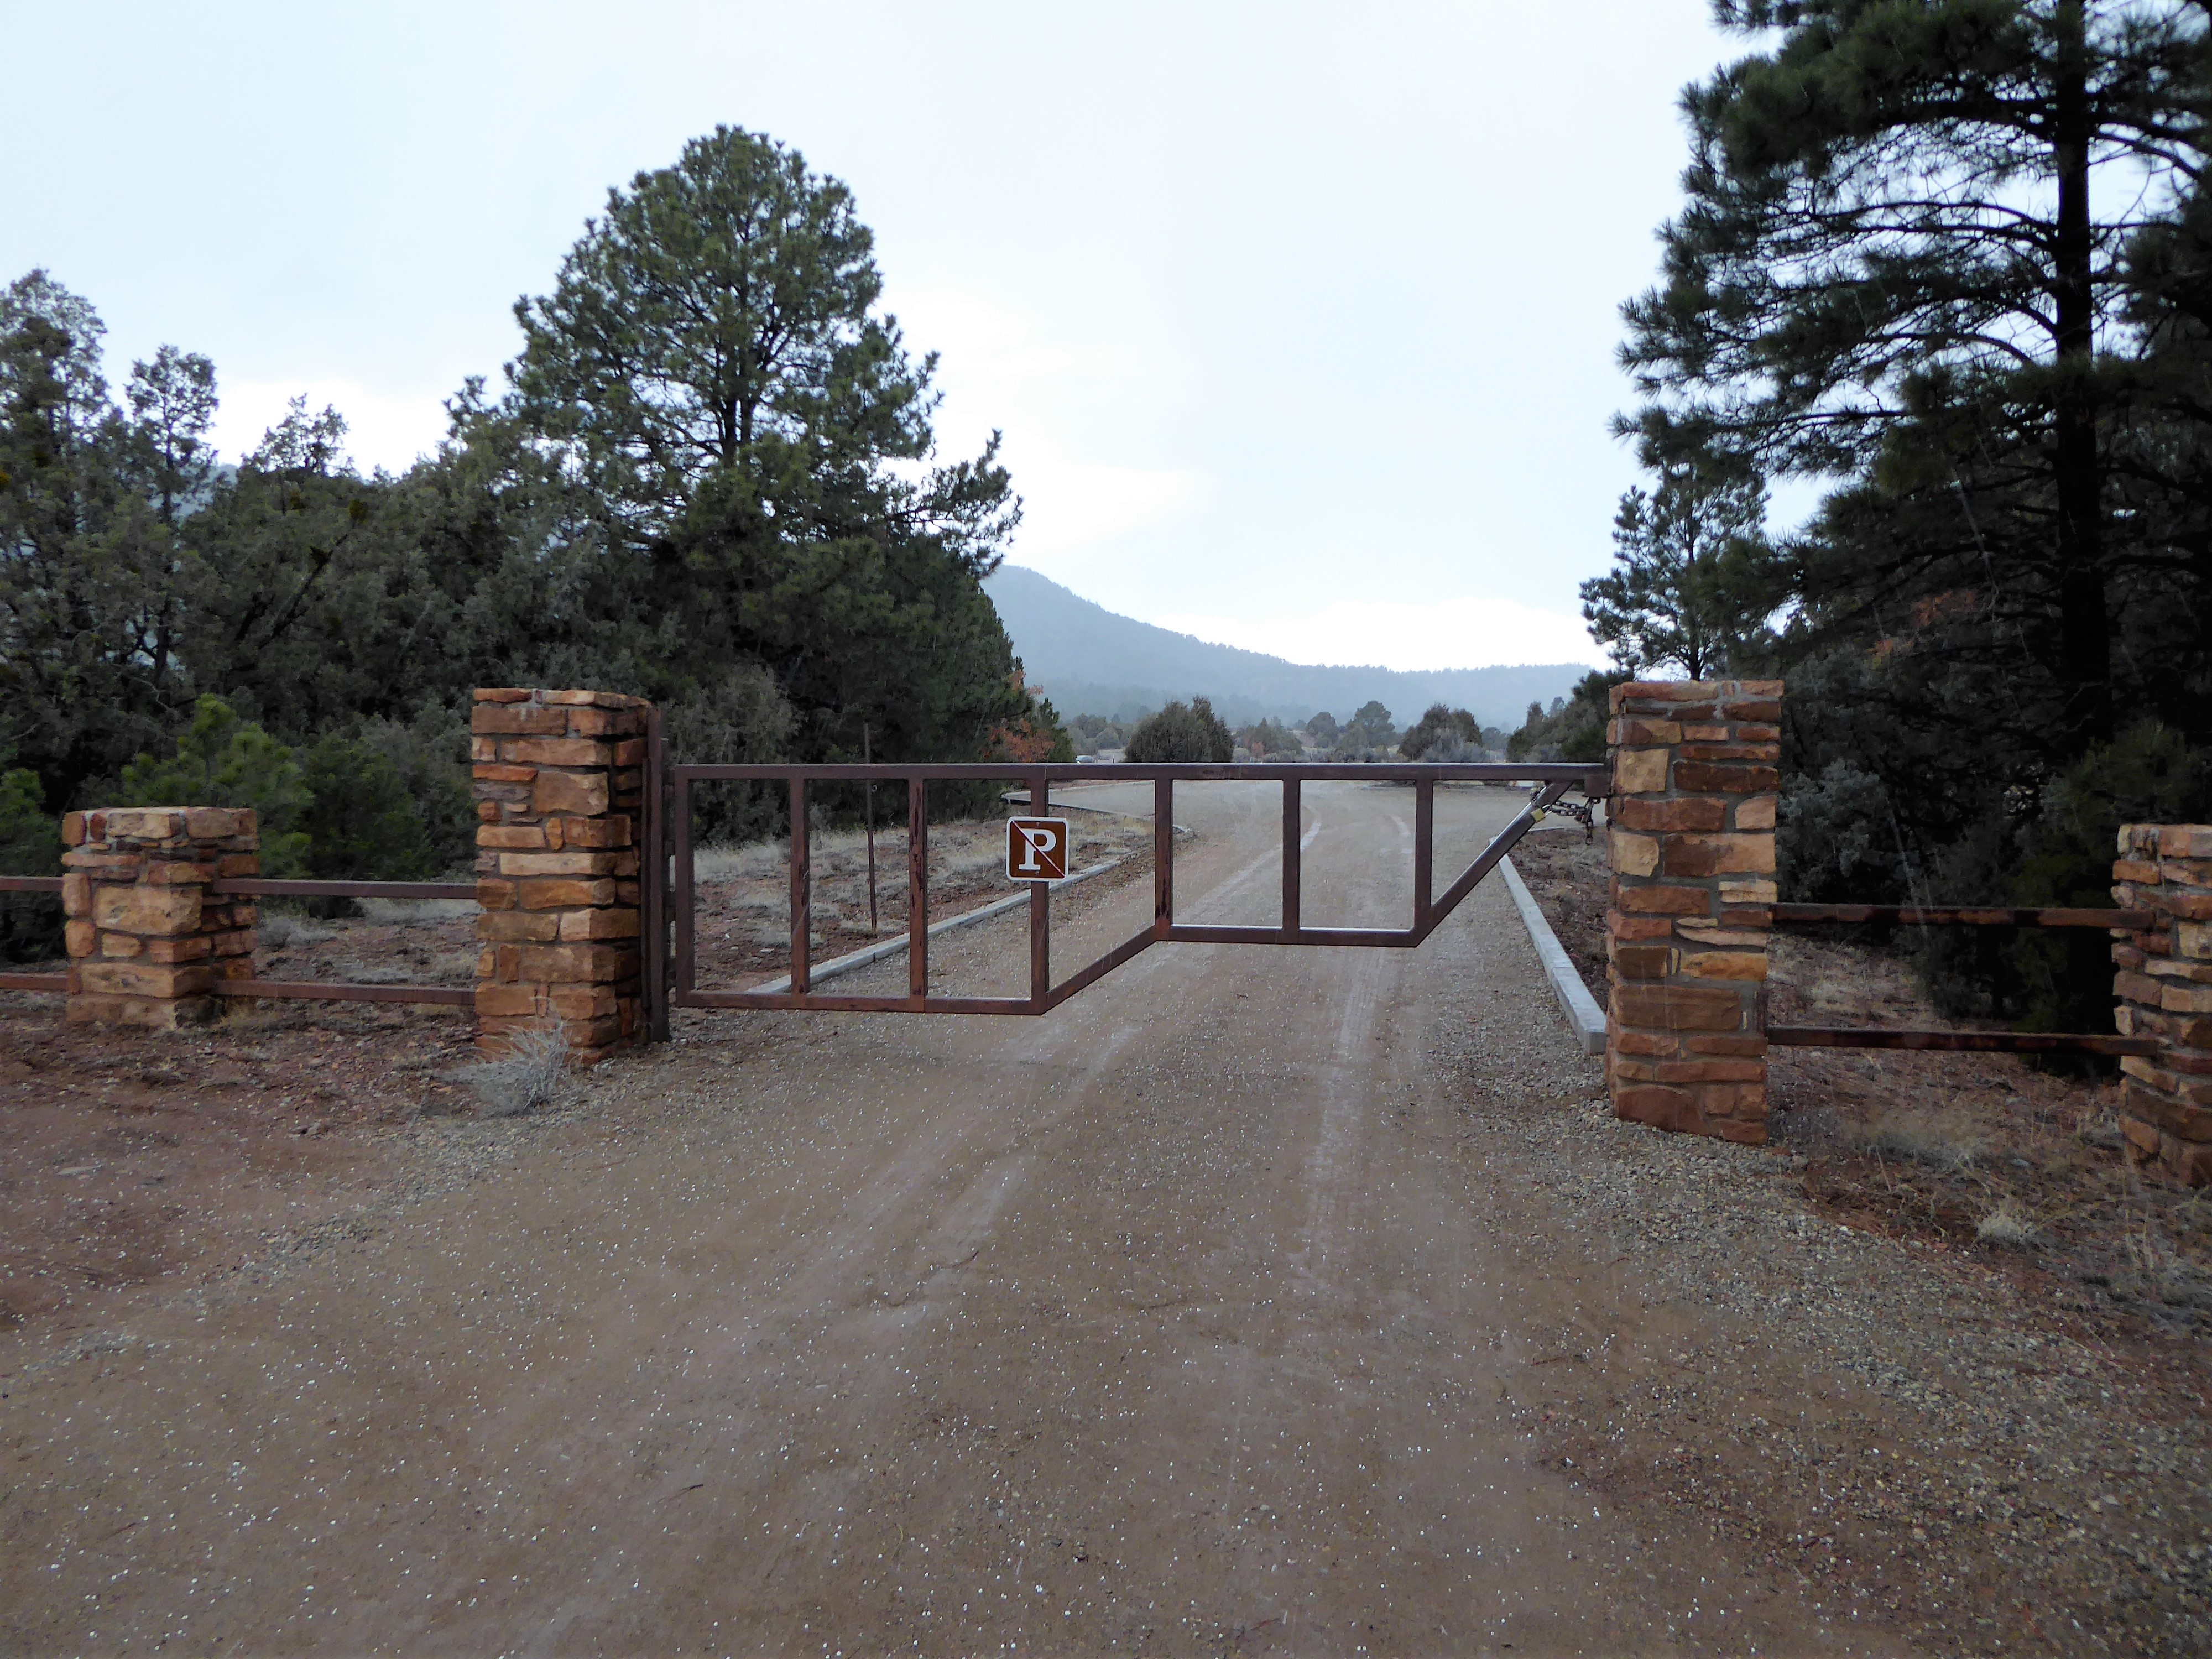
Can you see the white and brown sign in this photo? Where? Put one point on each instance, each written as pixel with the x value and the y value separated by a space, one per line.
pixel 1036 849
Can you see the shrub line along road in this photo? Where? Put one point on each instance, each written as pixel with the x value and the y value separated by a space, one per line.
pixel 1180 1320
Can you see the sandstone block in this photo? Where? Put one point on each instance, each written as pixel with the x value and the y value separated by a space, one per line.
pixel 1639 771
pixel 1642 960
pixel 495 895
pixel 1756 811
pixel 1712 1071
pixel 511 1001
pixel 502 694
pixel 1704 1042
pixel 2129 869
pixel 604 722
pixel 557 752
pixel 139 979
pixel 119 867
pixel 179 950
pixel 502 774
pixel 2186 841
pixel 577 963
pixel 512 838
pixel 2193 940
pixel 1741 965
pixel 579 794
pixel 1672 901
pixel 147 909
pixel 1634 854
pixel 1662 1106
pixel 613 831
pixel 1620 925
pixel 584 1001
pixel 1643 1042
pixel 1678 1007
pixel 519 926
pixel 1766 753
pixel 559 864
pixel 76 894
pixel 1725 778
pixel 1709 856
pixel 121 944
pixel 610 923
pixel 1632 813
pixel 156 1013
pixel 80 937
pixel 141 823
pixel 72 829
pixel 2186 999
pixel 497 719
pixel 219 823
pixel 557 893
pixel 177 873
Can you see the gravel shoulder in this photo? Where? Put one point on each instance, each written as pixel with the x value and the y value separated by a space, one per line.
pixel 1255 1301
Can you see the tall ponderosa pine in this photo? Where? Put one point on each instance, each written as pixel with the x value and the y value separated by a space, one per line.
pixel 752 437
pixel 1902 260
pixel 1689 563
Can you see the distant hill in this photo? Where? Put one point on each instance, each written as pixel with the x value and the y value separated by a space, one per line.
pixel 1091 661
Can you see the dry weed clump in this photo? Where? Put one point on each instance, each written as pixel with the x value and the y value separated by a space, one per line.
pixel 530 1073
pixel 1943 1138
pixel 2007 1224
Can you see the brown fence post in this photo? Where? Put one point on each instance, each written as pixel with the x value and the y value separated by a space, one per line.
pixel 560 792
pixel 1691 849
pixel 146 941
pixel 2164 989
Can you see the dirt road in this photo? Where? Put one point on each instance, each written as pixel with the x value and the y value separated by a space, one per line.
pixel 1190 1319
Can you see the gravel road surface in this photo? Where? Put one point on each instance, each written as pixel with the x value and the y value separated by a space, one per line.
pixel 1257 1300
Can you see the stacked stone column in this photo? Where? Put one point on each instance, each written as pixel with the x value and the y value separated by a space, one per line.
pixel 559 791
pixel 1692 895
pixel 2163 986
pixel 147 941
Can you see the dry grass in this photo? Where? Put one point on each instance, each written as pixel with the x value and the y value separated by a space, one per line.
pixel 530 1073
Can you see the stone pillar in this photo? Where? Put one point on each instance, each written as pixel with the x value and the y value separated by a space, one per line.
pixel 146 940
pixel 2164 986
pixel 559 791
pixel 1692 847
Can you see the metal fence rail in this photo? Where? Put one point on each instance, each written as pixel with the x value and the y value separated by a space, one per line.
pixel 1961 916
pixel 458 996
pixel 678 986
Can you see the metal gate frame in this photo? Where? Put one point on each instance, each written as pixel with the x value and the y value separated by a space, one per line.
pixel 671 964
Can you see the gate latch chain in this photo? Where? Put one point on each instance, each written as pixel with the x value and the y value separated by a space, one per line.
pixel 1582 812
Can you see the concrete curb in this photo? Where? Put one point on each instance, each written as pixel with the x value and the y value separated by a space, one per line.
pixel 1583 1015
pixel 892 947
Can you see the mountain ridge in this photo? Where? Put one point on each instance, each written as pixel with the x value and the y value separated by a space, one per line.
pixel 1090 660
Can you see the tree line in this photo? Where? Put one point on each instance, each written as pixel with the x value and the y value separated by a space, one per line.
pixel 710 479
pixel 1950 261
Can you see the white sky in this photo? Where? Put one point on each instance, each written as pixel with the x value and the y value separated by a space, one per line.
pixel 1299 319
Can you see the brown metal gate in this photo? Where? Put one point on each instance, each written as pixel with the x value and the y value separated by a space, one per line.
pixel 671 957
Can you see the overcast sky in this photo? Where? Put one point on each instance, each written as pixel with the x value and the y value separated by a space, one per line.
pixel 1299 319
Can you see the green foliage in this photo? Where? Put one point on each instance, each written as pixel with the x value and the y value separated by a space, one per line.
pixel 1948 260
pixel 1573 728
pixel 1369 732
pixel 1689 566
pixel 1442 734
pixel 222 760
pixel 362 822
pixel 1183 732
pixel 30 844
pixel 1323 730
pixel 1270 740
